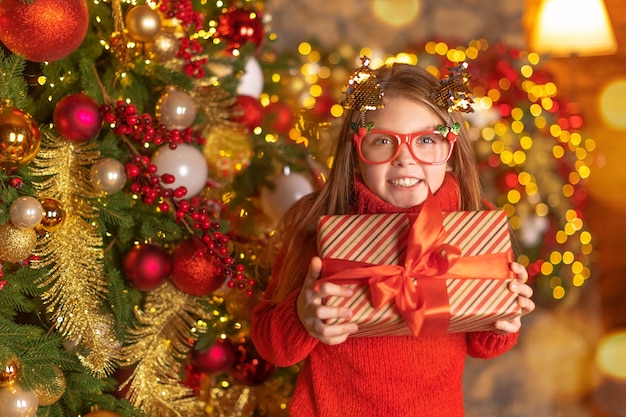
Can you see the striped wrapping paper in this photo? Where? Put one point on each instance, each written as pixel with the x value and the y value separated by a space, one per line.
pixel 378 239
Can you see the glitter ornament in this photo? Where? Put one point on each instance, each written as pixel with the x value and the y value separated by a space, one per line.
pixel 53 214
pixel 143 23
pixel 77 118
pixel 51 393
pixel 217 358
pixel 249 368
pixel 9 371
pixel 186 164
pixel 239 26
pixel 45 30
pixel 176 109
pixel 16 244
pixel 108 175
pixel 147 266
pixel 248 111
pixel 16 401
pixel 164 46
pixel 227 151
pixel 19 137
pixel 25 212
pixel 194 271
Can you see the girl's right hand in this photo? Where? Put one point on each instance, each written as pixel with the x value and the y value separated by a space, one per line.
pixel 313 314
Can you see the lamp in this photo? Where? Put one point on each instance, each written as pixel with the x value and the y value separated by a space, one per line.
pixel 572 27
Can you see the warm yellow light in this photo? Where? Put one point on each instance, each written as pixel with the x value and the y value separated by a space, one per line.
pixel 572 27
pixel 611 104
pixel 396 13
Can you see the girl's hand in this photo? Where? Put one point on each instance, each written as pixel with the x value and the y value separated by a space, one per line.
pixel 523 299
pixel 313 313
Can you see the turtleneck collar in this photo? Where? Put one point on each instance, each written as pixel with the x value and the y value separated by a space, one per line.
pixel 366 202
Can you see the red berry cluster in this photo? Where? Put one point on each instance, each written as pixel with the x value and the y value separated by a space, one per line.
pixel 124 120
pixel 190 49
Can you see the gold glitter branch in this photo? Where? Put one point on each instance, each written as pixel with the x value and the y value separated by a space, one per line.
pixel 157 349
pixel 75 284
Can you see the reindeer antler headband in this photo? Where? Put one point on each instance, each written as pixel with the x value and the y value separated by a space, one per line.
pixel 363 92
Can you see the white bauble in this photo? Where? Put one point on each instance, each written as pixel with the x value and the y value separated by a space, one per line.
pixel 186 164
pixel 288 189
pixel 251 82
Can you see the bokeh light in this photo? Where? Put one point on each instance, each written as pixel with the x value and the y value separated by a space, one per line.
pixel 612 106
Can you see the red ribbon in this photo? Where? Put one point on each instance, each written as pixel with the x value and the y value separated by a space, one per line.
pixel 429 262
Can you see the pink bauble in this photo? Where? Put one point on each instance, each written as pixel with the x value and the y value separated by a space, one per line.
pixel 186 163
pixel 77 118
pixel 45 30
pixel 147 266
pixel 194 271
pixel 216 358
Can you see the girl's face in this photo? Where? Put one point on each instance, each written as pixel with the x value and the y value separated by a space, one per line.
pixel 404 181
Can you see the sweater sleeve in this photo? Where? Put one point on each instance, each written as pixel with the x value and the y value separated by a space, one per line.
pixel 487 345
pixel 278 334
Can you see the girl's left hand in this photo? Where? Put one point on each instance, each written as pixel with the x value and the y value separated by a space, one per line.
pixel 524 292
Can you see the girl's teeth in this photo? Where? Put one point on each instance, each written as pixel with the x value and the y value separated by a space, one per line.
pixel 405 182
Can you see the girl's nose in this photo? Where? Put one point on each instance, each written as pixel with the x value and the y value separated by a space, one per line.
pixel 404 156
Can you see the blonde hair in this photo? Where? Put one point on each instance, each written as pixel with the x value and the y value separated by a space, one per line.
pixel 296 233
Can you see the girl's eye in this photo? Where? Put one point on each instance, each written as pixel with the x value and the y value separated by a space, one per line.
pixel 426 140
pixel 381 140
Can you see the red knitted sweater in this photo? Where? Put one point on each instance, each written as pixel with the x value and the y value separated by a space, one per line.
pixel 396 376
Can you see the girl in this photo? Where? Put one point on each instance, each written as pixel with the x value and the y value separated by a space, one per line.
pixel 387 159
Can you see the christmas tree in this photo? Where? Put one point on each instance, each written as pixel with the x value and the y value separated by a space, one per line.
pixel 144 161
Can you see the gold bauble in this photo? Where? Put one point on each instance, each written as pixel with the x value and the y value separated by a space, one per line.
pixel 19 137
pixel 108 175
pixel 53 214
pixel 9 371
pixel 165 46
pixel 16 244
pixel 102 413
pixel 49 394
pixel 143 23
pixel 227 151
pixel 16 401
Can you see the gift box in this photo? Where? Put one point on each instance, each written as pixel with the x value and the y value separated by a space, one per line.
pixel 432 273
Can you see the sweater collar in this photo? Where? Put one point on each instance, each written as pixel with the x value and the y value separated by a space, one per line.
pixel 366 202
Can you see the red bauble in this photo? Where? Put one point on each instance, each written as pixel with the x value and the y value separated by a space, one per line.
pixel 249 368
pixel 251 112
pixel 194 270
pixel 239 26
pixel 147 266
pixel 77 118
pixel 46 30
pixel 280 117
pixel 216 358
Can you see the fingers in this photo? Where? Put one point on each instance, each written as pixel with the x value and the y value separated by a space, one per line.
pixel 506 327
pixel 520 272
pixel 314 315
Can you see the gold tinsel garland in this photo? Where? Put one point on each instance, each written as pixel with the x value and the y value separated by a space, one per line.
pixel 157 347
pixel 75 285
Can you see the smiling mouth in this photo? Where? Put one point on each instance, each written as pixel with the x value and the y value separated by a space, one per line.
pixel 405 182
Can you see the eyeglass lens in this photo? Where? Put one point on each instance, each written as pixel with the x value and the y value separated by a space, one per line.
pixel 428 147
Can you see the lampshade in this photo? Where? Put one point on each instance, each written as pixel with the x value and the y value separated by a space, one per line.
pixel 572 27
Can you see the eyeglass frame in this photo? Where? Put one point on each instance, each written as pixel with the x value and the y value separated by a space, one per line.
pixel 408 137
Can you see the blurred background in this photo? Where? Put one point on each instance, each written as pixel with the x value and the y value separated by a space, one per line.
pixel 131 237
pixel 571 360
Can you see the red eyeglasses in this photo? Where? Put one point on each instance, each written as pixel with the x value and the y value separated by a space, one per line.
pixel 428 147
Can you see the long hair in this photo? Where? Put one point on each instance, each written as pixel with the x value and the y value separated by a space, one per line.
pixel 296 234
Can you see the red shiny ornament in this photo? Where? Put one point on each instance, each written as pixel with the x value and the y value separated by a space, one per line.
pixel 251 112
pixel 239 26
pixel 46 30
pixel 280 117
pixel 249 368
pixel 217 358
pixel 147 266
pixel 77 118
pixel 194 271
